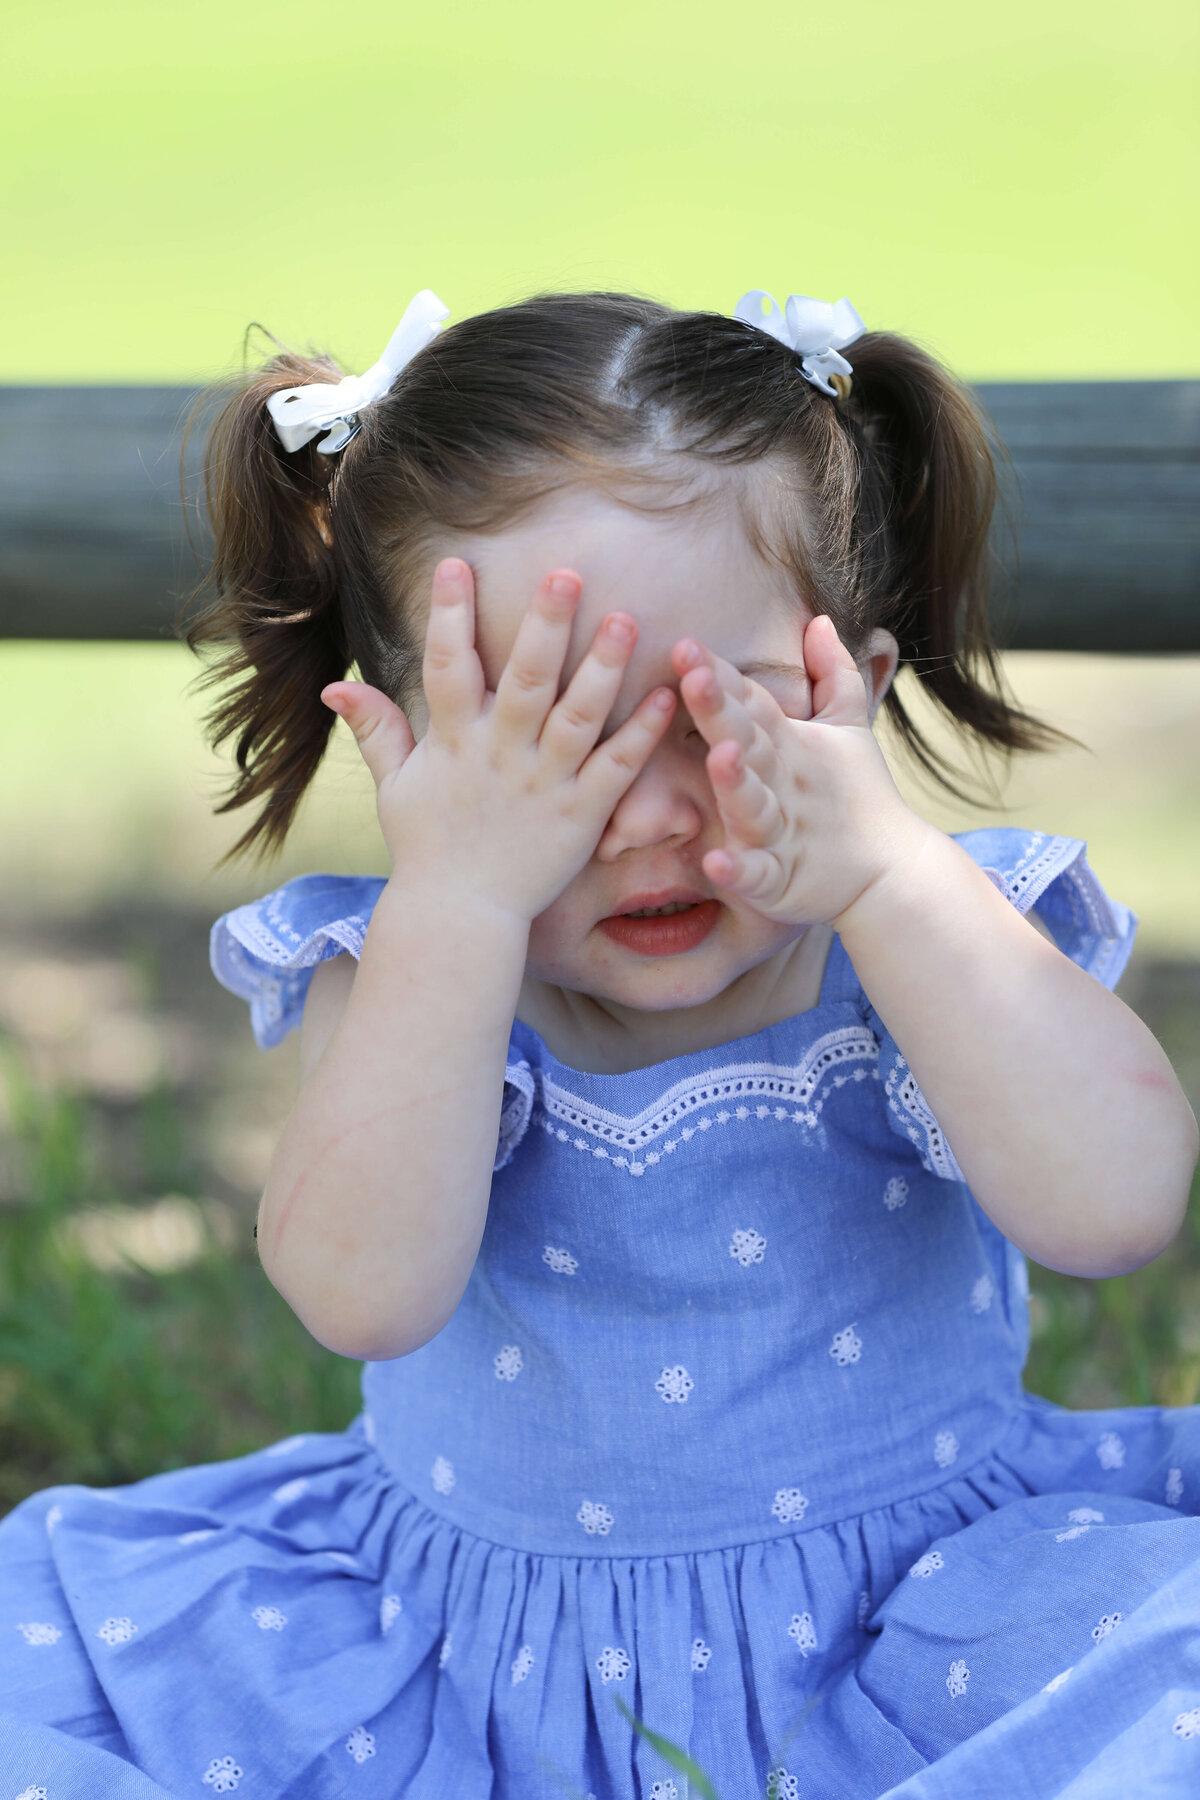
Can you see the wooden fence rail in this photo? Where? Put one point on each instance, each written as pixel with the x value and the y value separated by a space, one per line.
pixel 1103 487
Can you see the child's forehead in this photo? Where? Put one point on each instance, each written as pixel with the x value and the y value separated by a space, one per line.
pixel 679 570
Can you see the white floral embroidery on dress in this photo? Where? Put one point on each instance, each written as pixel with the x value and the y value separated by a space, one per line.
pixel 862 1611
pixel 508 1362
pixel 895 1193
pixel 40 1634
pixel 664 1790
pixel 291 1490
pixel 846 1347
pixel 222 1775
pixel 595 1518
pixel 1110 1451
pixel 446 1651
pixel 196 1537
pixel 522 1662
pixel 1072 1531
pixel 442 1475
pixel 285 1445
pixel 789 1505
pixel 781 1785
pixel 981 1294
pixel 945 1449
pixel 1085 1515
pixel 390 1608
pixel 747 1247
pixel 360 1744
pixel 561 1261
pixel 1052 1687
pixel 1173 1493
pixel 701 1656
pixel 269 1618
pixel 33 1793
pixel 956 1680
pixel 1187 1724
pixel 925 1565
pixel 802 1633
pixel 613 1664
pixel 674 1385
pixel 1108 1624
pixel 52 1519
pixel 117 1631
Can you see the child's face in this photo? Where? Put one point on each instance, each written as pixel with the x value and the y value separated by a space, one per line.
pixel 689 575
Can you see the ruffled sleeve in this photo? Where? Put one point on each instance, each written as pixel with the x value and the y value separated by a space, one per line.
pixel 1038 873
pixel 266 951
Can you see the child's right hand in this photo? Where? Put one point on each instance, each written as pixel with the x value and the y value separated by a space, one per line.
pixel 507 794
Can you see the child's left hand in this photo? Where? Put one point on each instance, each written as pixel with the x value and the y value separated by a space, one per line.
pixel 812 816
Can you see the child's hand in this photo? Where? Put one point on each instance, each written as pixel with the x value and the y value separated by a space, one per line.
pixel 506 795
pixel 812 816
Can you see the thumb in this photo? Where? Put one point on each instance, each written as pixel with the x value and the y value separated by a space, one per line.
pixel 839 694
pixel 382 732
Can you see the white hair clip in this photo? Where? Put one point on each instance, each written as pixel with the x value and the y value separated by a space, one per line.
pixel 300 413
pixel 815 329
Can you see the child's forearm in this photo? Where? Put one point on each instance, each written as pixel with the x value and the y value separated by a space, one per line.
pixel 377 1197
pixel 1061 1108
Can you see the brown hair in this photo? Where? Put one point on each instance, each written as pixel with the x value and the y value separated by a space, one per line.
pixel 882 516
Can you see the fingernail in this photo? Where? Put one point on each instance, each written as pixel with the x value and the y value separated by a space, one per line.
pixel 451 568
pixel 689 649
pixel 664 699
pixel 621 627
pixel 564 585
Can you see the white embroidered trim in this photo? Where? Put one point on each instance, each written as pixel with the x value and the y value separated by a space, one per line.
pixel 360 1744
pixel 222 1775
pixel 956 1680
pixel 1110 1451
pixel 802 1633
pixel 613 1664
pixel 796 1090
pixel 36 1633
pixel 912 1109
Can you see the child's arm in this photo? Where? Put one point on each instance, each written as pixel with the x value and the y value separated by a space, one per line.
pixel 376 1200
pixel 1061 1108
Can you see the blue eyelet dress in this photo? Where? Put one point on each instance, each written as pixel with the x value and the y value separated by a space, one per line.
pixel 728 1428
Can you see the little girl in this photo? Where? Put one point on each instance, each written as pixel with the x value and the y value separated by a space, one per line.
pixel 673 1123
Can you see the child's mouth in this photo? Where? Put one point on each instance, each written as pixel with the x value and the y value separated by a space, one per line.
pixel 668 930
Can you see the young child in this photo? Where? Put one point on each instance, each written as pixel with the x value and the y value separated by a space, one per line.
pixel 673 1123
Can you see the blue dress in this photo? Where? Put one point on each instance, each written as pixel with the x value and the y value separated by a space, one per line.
pixel 727 1432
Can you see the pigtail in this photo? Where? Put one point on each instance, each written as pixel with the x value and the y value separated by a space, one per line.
pixel 274 612
pixel 927 496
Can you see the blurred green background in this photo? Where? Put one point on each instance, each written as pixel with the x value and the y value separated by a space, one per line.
pixel 1013 187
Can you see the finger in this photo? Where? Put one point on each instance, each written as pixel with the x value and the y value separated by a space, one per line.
pixel 839 694
pixel 754 875
pixel 749 807
pixel 615 764
pixel 451 672
pixel 721 712
pixel 382 732
pixel 528 685
pixel 574 725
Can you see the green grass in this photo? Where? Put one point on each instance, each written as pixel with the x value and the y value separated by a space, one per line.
pixel 1010 184
pixel 105 1378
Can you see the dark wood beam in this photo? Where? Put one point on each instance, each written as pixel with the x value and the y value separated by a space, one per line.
pixel 1103 481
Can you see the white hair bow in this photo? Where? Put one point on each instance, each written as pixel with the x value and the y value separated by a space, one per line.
pixel 815 329
pixel 300 413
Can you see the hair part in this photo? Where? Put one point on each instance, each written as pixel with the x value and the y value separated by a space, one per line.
pixel 879 509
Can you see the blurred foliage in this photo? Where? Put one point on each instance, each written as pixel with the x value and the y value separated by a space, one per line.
pixel 105 1378
pixel 1007 183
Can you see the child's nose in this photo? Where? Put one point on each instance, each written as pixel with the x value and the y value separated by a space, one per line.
pixel 662 803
